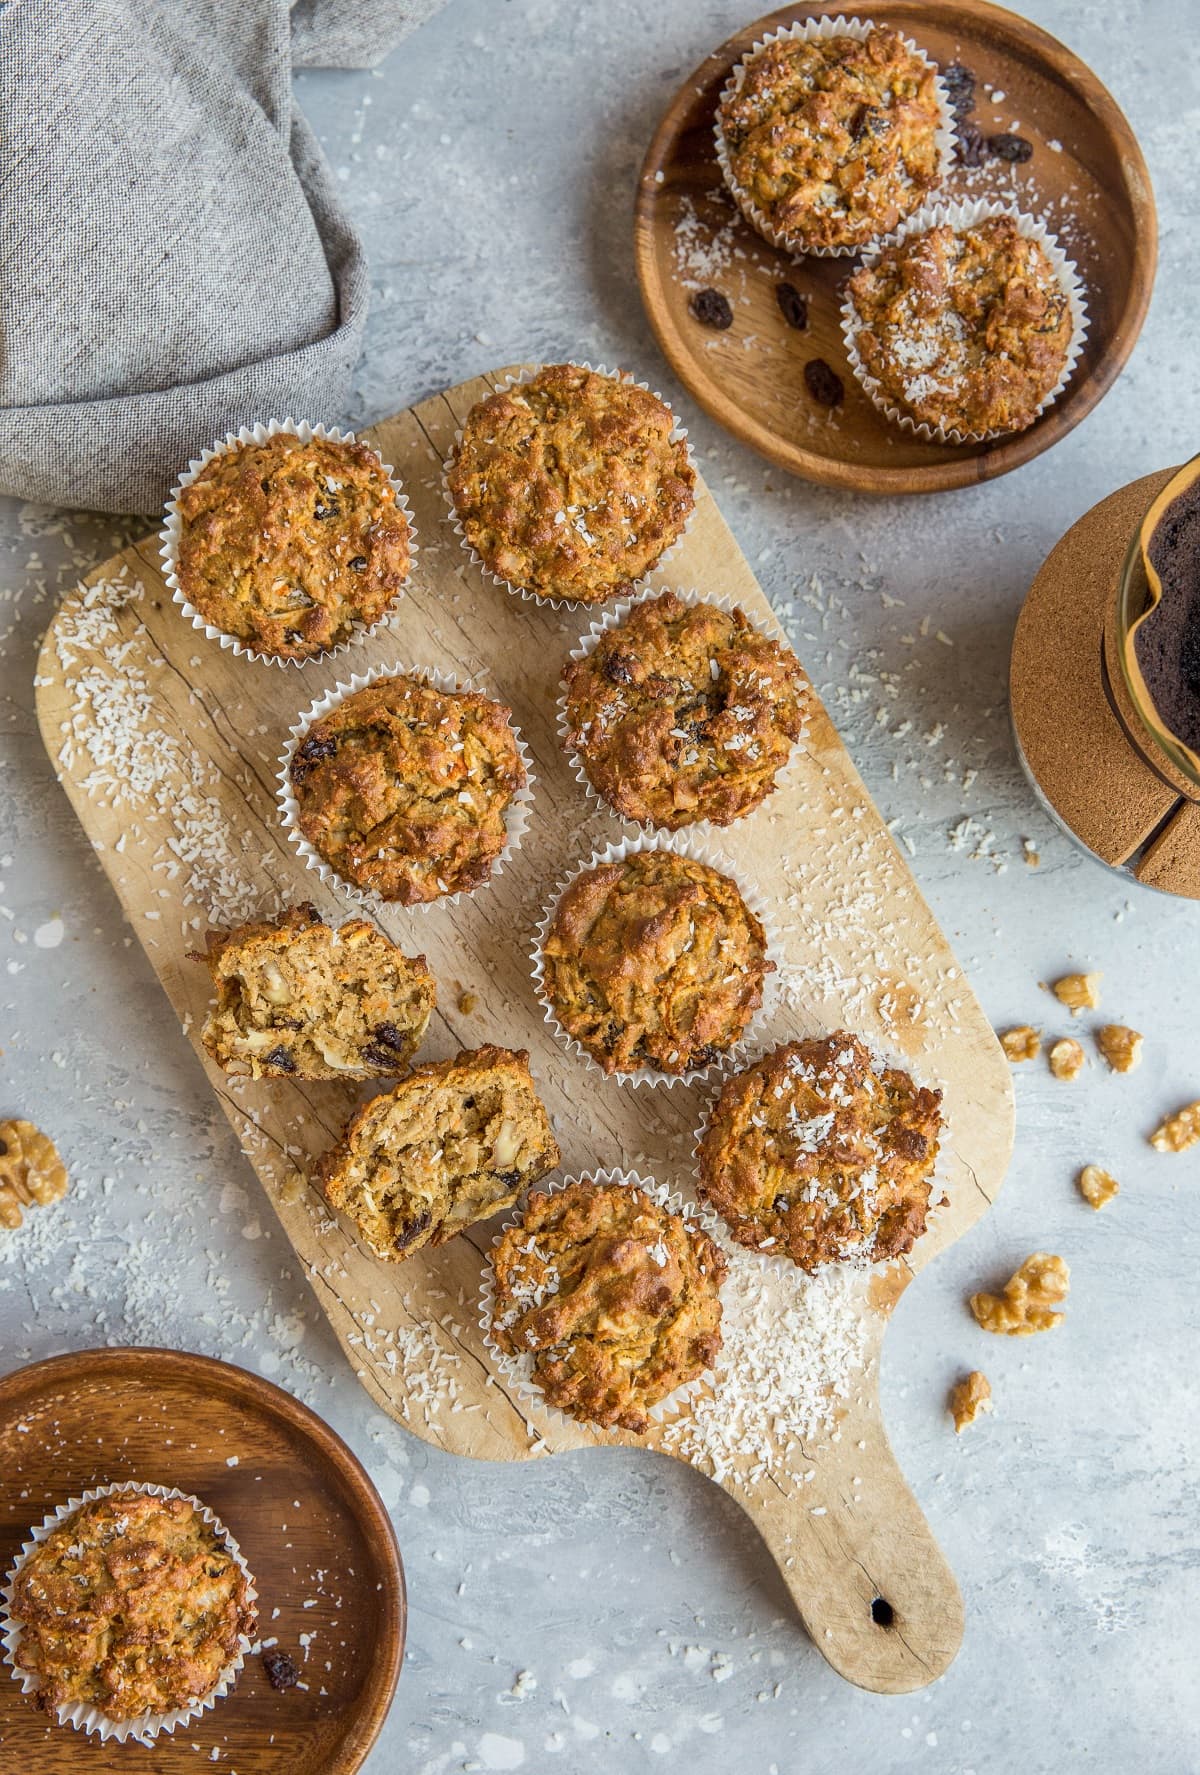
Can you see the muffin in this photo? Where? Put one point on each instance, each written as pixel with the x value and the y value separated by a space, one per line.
pixel 967 330
pixel 654 961
pixel 402 788
pixel 610 1300
pixel 298 999
pixel 454 1143
pixel 819 1153
pixel 287 544
pixel 830 141
pixel 132 1605
pixel 572 485
pixel 684 712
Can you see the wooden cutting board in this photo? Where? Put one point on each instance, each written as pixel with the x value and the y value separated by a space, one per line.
pixel 858 947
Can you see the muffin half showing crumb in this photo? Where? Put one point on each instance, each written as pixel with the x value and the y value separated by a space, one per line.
pixel 456 1141
pixel 299 999
pixel 819 1153
pixel 132 1605
pixel 609 1300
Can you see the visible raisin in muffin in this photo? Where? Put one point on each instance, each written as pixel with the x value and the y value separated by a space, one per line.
pixel 571 485
pixel 684 712
pixel 819 1153
pixel 298 999
pixel 455 1142
pixel 402 788
pixel 132 1605
pixel 654 961
pixel 615 1299
pixel 963 329
pixel 833 142
pixel 286 545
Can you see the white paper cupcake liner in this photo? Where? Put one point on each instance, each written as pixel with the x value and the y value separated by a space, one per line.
pixel 959 216
pixel 683 845
pixel 172 525
pixel 816 30
pixel 586 645
pixel 516 814
pixel 519 1369
pixel 515 380
pixel 143 1727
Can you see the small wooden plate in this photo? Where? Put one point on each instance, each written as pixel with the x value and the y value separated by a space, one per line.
pixel 1092 188
pixel 313 1529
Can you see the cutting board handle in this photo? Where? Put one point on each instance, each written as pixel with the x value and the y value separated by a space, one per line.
pixel 870 1582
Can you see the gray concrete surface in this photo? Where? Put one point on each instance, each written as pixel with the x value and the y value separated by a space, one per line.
pixel 490 164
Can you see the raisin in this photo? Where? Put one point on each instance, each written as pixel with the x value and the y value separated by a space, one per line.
pixel 3 1148
pixel 281 1669
pixel 780 1205
pixel 357 563
pixel 1014 149
pixel 706 1056
pixel 314 747
pixel 792 306
pixel 412 1229
pixel 281 1059
pixel 620 668
pixel 388 1036
pixel 868 122
pixel 970 149
pixel 960 88
pixel 379 1055
pixel 823 384
pixel 712 309
pixel 325 511
pixel 510 1179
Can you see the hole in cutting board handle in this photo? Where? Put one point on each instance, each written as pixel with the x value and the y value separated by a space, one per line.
pixel 882 1612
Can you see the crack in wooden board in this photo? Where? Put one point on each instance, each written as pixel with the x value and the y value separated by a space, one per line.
pixel 858 945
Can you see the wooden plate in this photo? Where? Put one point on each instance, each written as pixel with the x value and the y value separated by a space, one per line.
pixel 311 1525
pixel 858 947
pixel 1093 189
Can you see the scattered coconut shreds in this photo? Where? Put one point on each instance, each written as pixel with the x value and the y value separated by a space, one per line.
pixel 702 254
pixel 134 762
pixel 792 1347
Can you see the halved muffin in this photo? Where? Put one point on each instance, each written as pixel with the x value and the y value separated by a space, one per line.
pixel 298 999
pixel 453 1143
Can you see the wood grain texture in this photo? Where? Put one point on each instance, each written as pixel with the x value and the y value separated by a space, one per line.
pixel 751 378
pixel 859 946
pixel 310 1523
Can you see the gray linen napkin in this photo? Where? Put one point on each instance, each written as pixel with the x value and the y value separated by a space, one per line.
pixel 174 260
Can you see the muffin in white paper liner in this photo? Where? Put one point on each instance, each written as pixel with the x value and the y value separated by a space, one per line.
pixel 612 619
pixel 172 527
pixel 516 379
pixel 142 1728
pixel 516 814
pixel 815 30
pixel 683 845
pixel 959 216
pixel 519 1369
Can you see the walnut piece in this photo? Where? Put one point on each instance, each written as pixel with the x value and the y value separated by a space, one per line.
pixel 1120 1046
pixel 1079 992
pixel 1066 1058
pixel 1041 1282
pixel 1097 1187
pixel 1022 1043
pixel 968 1397
pixel 30 1171
pixel 1179 1131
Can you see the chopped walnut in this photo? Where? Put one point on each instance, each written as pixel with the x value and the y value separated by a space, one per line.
pixel 1022 1043
pixel 1179 1131
pixel 1097 1187
pixel 968 1397
pixel 30 1171
pixel 1120 1046
pixel 1066 1058
pixel 1079 992
pixel 1041 1282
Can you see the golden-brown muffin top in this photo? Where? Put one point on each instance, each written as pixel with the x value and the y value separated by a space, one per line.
pixel 571 485
pixel 654 961
pixel 452 1144
pixel 286 545
pixel 834 142
pixel 615 1299
pixel 818 1153
pixel 684 712
pixel 131 1605
pixel 403 788
pixel 967 329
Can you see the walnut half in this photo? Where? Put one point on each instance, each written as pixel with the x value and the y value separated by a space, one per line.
pixel 1042 1282
pixel 1120 1046
pixel 1179 1131
pixel 1079 992
pixel 968 1397
pixel 30 1171
pixel 1097 1187
pixel 1022 1043
pixel 1066 1058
